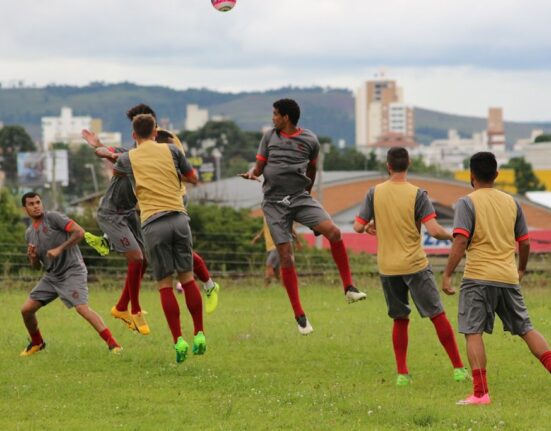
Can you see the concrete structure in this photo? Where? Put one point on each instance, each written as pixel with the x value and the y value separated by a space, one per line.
pixel 380 110
pixel 450 153
pixel 195 117
pixel 539 155
pixel 67 129
pixel 495 129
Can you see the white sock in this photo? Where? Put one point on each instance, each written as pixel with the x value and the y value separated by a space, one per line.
pixel 209 284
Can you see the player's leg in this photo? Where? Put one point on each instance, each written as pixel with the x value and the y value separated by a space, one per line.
pixel 310 213
pixel 427 300
pixel 158 236
pixel 210 287
pixel 97 323
pixel 183 261
pixel 269 274
pixel 28 312
pixel 475 302
pixel 514 315
pixel 396 297
pixel 133 282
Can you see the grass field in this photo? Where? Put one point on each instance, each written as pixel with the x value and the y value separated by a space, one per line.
pixel 259 373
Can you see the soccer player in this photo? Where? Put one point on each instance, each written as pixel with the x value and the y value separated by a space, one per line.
pixel 287 158
pixel 52 244
pixel 118 219
pixel 487 225
pixel 398 208
pixel 157 170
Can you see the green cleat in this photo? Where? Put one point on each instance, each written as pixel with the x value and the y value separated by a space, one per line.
pixel 211 298
pixel 199 344
pixel 460 374
pixel 181 348
pixel 98 243
pixel 403 380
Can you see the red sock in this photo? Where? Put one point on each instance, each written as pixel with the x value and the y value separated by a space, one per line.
pixel 172 311
pixel 122 305
pixel 200 268
pixel 545 359
pixel 108 337
pixel 194 304
pixel 36 338
pixel 133 282
pixel 400 343
pixel 480 385
pixel 447 338
pixel 290 281
pixel 340 256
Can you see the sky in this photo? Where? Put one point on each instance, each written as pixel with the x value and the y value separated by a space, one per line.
pixel 455 56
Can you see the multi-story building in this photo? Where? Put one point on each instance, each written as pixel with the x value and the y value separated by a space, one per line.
pixel 495 129
pixel 195 117
pixel 67 129
pixel 379 111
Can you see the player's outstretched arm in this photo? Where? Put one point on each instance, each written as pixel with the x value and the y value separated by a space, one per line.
pixel 437 231
pixel 91 138
pixel 77 233
pixel 105 153
pixel 457 252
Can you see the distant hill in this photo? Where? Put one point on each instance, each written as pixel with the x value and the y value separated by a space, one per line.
pixel 329 112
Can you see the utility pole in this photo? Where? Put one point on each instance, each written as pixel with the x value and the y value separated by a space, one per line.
pixel 325 148
pixel 94 178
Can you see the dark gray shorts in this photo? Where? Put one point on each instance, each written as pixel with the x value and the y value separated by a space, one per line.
pixel 423 291
pixel 123 230
pixel 272 258
pixel 479 302
pixel 280 215
pixel 72 289
pixel 168 245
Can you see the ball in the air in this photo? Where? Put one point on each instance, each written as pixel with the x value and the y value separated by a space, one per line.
pixel 223 5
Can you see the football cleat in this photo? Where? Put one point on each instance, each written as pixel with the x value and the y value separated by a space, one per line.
pixel 304 326
pixel 98 243
pixel 140 323
pixel 460 374
pixel 473 400
pixel 31 349
pixel 211 298
pixel 199 344
pixel 181 348
pixel 115 349
pixel 403 380
pixel 353 295
pixel 125 316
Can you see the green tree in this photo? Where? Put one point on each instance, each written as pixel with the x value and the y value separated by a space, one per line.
pixel 525 179
pixel 13 139
pixel 12 233
pixel 545 137
pixel 348 159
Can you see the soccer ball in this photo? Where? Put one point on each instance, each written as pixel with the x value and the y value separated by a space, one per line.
pixel 223 5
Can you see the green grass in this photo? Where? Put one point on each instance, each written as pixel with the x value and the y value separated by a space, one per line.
pixel 258 372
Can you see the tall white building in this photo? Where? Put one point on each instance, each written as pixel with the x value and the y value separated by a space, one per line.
pixel 195 117
pixel 380 111
pixel 67 129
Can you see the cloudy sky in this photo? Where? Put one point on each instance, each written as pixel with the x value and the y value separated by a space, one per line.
pixel 456 56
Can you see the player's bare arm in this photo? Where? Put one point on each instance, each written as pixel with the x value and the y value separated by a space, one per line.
pixel 523 254
pixel 77 233
pixel 190 177
pixel 457 252
pixel 436 230
pixel 105 153
pixel 254 172
pixel 311 173
pixel 91 138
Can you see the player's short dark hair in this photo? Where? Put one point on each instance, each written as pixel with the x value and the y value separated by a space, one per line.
pixel 144 125
pixel 483 166
pixel 140 109
pixel 28 195
pixel 288 107
pixel 164 136
pixel 398 159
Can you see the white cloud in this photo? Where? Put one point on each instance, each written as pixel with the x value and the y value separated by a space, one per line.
pixel 459 56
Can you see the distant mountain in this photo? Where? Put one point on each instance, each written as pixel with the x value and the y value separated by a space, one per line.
pixel 329 112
